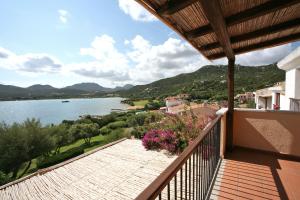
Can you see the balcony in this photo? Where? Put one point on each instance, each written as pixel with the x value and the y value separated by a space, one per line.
pixel 249 174
pixel 264 163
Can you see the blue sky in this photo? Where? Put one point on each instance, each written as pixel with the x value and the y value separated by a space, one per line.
pixel 110 42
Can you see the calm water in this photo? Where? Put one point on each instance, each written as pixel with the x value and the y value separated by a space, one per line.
pixel 54 111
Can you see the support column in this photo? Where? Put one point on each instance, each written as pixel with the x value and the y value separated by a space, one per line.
pixel 230 86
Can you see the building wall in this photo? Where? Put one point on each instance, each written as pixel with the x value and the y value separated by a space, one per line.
pixel 297 83
pixel 275 131
pixel 170 103
pixel 293 83
pixel 284 103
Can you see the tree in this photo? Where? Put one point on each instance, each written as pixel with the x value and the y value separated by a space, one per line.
pixel 84 131
pixel 20 143
pixel 88 131
pixel 4 178
pixel 13 148
pixel 38 140
pixel 60 135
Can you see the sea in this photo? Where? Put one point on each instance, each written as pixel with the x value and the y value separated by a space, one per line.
pixel 53 111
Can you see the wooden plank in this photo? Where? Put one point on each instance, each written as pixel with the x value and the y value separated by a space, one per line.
pixel 174 6
pixel 257 33
pixel 249 14
pixel 262 45
pixel 213 13
pixel 229 121
pixel 263 9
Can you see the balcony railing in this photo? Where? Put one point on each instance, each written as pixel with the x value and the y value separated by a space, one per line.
pixel 191 175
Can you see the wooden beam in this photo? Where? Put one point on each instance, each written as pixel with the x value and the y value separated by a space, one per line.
pixel 255 34
pixel 214 15
pixel 172 6
pixel 262 45
pixel 229 121
pixel 173 27
pixel 243 16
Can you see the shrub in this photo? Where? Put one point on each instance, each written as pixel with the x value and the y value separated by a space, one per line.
pixel 114 135
pixel 104 130
pixel 161 139
pixel 151 140
pixel 117 124
pixel 4 178
pixel 137 119
pixel 153 117
pixel 138 132
pixel 43 162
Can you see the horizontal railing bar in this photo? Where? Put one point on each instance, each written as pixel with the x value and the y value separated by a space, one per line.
pixel 152 191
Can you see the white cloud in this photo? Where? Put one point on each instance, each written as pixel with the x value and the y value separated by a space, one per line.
pixel 170 58
pixel 135 11
pixel 4 53
pixel 141 63
pixel 109 63
pixel 265 56
pixel 64 16
pixel 30 63
pixel 261 57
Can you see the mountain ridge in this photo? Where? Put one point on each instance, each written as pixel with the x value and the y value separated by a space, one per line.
pixel 39 91
pixel 209 82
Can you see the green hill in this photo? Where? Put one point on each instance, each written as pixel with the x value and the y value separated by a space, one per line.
pixel 209 82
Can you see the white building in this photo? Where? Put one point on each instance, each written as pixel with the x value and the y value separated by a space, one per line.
pixel 270 98
pixel 172 102
pixel 283 96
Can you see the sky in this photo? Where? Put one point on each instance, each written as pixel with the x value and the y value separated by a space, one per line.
pixel 109 42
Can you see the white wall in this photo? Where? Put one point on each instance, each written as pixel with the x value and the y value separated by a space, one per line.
pixel 297 83
pixel 260 103
pixel 284 102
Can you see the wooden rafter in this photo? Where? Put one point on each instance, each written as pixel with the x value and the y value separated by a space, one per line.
pixel 262 45
pixel 172 6
pixel 255 34
pixel 213 13
pixel 243 16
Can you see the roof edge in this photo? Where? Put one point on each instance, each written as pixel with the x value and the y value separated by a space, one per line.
pixel 291 61
pixel 48 169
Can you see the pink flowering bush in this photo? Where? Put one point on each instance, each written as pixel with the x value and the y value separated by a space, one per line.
pixel 161 139
pixel 175 132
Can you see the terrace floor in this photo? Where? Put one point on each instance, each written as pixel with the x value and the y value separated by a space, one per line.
pixel 120 171
pixel 247 174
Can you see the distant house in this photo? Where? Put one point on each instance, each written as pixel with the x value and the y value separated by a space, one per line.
pixel 270 98
pixel 172 102
pixel 247 96
pixel 284 95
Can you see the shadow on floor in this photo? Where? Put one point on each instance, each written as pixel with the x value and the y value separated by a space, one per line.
pixel 247 174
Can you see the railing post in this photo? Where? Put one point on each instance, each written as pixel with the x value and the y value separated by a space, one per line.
pixel 223 113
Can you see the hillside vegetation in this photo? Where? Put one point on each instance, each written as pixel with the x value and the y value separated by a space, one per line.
pixel 209 82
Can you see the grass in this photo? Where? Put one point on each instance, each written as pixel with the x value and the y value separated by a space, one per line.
pixel 96 141
pixel 141 102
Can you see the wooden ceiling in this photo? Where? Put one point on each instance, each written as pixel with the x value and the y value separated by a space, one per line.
pixel 225 28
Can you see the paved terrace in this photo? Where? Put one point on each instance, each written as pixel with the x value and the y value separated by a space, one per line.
pixel 247 174
pixel 120 171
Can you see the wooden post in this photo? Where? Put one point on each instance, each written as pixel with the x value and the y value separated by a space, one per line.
pixel 230 86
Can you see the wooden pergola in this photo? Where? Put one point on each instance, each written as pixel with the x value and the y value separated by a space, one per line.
pixel 225 28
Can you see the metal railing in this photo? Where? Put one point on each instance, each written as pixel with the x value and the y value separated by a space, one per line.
pixel 190 176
